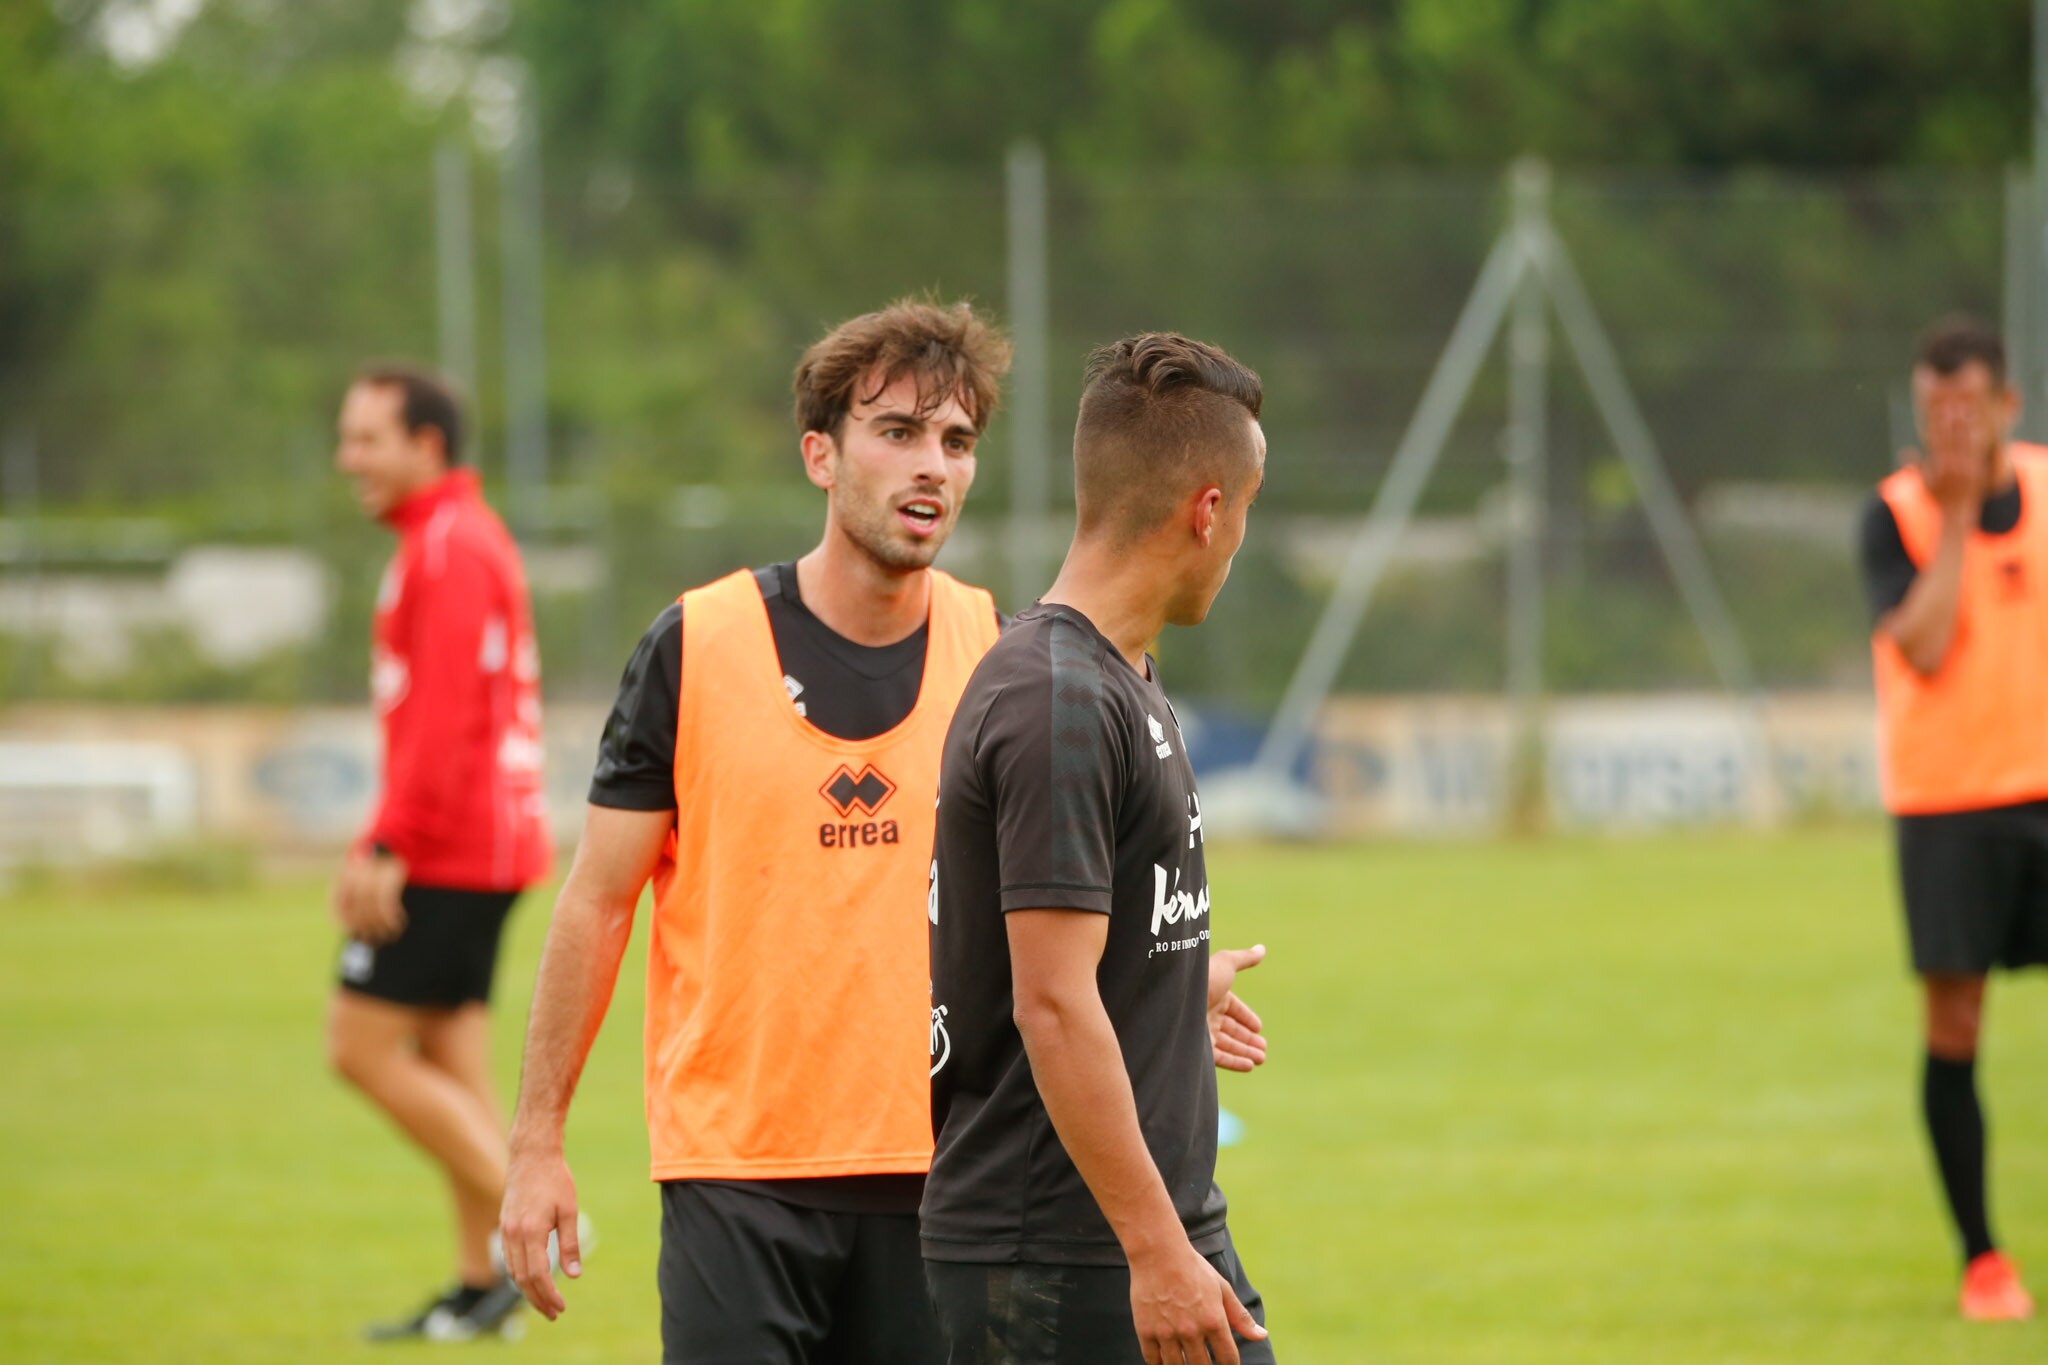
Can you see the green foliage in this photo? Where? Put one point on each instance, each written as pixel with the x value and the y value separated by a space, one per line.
pixel 197 250
pixel 180 228
pixel 703 86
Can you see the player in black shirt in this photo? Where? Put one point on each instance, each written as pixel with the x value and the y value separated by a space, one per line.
pixel 1071 1214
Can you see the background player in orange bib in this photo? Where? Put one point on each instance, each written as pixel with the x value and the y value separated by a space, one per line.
pixel 771 765
pixel 1955 563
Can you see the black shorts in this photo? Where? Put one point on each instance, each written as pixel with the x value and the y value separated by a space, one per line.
pixel 446 956
pixel 1975 885
pixel 1028 1314
pixel 748 1279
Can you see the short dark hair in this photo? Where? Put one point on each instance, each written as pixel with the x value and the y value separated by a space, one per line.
pixel 1160 413
pixel 427 400
pixel 949 348
pixel 1961 339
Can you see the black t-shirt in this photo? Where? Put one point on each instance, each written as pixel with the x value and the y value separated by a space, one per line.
pixel 1888 571
pixel 847 690
pixel 1065 785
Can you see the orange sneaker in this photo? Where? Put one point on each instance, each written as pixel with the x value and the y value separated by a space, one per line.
pixel 1992 1291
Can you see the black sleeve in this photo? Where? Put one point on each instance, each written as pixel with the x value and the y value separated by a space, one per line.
pixel 1888 571
pixel 1050 764
pixel 636 759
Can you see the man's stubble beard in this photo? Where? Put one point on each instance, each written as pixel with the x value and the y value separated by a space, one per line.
pixel 873 534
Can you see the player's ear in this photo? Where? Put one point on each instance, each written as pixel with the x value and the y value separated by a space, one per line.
pixel 422 446
pixel 821 458
pixel 427 448
pixel 1207 508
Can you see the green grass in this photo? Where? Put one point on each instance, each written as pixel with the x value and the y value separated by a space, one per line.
pixel 1573 1101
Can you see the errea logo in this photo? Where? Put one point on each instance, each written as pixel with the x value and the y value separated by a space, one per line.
pixel 1159 743
pixel 865 793
pixel 869 790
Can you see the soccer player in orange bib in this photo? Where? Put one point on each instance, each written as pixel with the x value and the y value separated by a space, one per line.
pixel 771 764
pixel 1955 563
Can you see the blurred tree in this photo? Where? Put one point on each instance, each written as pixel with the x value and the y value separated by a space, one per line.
pixel 210 212
pixel 170 223
pixel 701 85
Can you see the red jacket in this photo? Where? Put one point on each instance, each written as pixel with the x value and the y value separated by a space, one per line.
pixel 455 678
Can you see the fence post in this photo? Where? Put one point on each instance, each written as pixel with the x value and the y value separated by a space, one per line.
pixel 1025 200
pixel 1528 500
pixel 21 494
pixel 455 264
pixel 526 355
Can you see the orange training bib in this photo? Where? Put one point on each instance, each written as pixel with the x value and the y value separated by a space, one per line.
pixel 788 980
pixel 1974 733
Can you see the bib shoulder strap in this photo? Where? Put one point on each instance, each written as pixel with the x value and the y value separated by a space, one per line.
pixel 720 617
pixel 957 599
pixel 718 601
pixel 2030 466
pixel 1914 510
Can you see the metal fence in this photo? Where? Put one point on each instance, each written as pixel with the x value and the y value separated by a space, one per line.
pixel 629 343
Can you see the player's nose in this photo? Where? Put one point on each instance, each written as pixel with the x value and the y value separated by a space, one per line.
pixel 929 465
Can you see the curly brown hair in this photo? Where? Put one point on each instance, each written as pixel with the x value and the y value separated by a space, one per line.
pixel 951 350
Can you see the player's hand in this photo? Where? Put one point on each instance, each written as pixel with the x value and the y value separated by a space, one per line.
pixel 367 898
pixel 540 1198
pixel 1957 464
pixel 1954 482
pixel 1184 1310
pixel 1236 1036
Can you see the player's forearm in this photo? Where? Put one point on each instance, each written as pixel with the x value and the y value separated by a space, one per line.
pixel 579 968
pixel 1080 1073
pixel 1923 625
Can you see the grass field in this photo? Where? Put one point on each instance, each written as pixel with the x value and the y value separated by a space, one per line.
pixel 1641 1101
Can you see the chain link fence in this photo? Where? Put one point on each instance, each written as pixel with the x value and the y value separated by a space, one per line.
pixel 185 370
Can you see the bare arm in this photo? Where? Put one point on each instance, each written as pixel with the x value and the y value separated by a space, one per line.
pixel 1179 1303
pixel 579 967
pixel 1959 474
pixel 1924 624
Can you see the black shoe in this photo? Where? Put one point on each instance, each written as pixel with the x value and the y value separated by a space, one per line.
pixel 450 1302
pixel 496 1313
pixel 460 1314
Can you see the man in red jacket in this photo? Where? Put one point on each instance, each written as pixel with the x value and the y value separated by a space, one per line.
pixel 459 827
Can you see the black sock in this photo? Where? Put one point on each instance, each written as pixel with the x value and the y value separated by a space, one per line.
pixel 1955 1123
